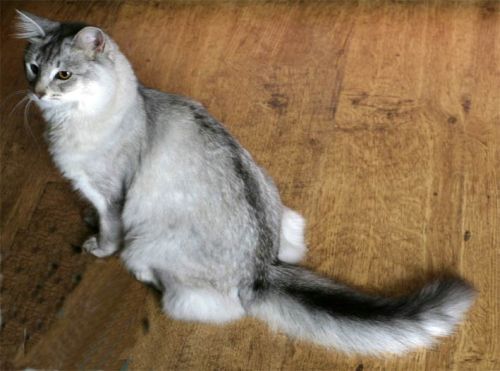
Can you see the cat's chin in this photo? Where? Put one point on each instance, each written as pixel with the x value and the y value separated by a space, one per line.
pixel 46 104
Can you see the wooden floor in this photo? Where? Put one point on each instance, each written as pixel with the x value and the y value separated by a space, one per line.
pixel 379 121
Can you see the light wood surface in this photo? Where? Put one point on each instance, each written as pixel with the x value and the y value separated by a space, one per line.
pixel 379 121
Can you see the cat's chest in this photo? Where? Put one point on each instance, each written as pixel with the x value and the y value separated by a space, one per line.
pixel 83 163
pixel 74 161
pixel 80 150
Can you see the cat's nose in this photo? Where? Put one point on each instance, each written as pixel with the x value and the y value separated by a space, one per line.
pixel 40 94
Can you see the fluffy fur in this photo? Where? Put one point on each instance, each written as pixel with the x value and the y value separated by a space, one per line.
pixel 190 211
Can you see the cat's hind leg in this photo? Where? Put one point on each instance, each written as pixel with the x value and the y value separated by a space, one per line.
pixel 142 272
pixel 147 276
pixel 292 247
pixel 201 304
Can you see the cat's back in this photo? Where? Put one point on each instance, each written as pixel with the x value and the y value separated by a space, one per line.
pixel 166 109
pixel 188 158
pixel 183 132
pixel 195 187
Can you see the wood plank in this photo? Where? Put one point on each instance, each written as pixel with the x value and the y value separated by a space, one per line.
pixel 44 264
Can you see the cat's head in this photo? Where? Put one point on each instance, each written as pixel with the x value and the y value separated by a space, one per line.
pixel 68 63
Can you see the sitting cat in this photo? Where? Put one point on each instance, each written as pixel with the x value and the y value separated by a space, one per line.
pixel 192 212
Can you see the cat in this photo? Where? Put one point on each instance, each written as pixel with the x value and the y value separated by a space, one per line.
pixel 190 211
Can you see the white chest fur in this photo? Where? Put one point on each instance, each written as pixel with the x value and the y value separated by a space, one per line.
pixel 79 167
pixel 81 150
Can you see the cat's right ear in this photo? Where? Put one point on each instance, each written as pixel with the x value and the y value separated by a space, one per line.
pixel 32 27
pixel 90 39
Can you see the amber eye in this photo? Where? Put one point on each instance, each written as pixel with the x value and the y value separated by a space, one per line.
pixel 63 75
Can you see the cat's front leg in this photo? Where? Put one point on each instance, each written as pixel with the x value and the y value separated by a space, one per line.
pixel 109 238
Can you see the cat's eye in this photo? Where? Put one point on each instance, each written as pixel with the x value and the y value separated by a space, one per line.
pixel 34 68
pixel 63 75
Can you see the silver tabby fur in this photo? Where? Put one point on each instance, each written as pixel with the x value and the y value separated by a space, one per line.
pixel 189 211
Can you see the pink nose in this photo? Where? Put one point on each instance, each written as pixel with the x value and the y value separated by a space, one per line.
pixel 39 93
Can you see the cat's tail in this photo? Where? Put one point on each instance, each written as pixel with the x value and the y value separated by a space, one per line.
pixel 305 305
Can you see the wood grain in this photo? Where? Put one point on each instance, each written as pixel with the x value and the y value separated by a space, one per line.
pixel 379 121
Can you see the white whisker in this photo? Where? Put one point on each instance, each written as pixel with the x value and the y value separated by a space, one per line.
pixel 12 95
pixel 17 105
pixel 26 122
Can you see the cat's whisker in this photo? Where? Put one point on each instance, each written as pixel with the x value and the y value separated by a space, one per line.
pixel 26 122
pixel 16 106
pixel 13 94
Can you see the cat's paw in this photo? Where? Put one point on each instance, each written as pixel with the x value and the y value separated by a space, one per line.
pixel 92 246
pixel 146 276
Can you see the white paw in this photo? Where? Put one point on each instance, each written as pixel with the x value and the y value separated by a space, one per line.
pixel 92 246
pixel 291 254
pixel 293 247
pixel 202 305
pixel 145 276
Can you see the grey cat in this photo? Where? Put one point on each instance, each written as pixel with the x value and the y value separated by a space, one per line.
pixel 192 213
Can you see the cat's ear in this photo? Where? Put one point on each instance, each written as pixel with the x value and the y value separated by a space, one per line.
pixel 32 27
pixel 90 39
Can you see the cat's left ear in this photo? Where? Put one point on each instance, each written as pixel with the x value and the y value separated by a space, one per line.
pixel 91 39
pixel 32 27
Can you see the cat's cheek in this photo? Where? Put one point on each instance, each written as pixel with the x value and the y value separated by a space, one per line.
pixel 97 97
pixel 71 97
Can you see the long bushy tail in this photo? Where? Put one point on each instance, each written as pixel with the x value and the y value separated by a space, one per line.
pixel 305 305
